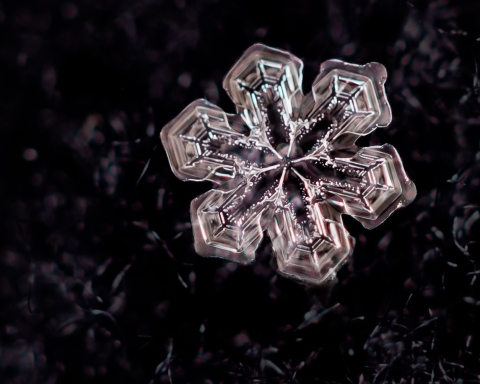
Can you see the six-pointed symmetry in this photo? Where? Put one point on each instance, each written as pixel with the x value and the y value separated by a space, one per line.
pixel 287 163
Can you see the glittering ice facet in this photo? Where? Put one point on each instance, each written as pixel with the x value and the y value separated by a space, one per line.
pixel 287 164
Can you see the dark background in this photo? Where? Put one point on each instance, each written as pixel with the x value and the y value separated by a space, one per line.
pixel 99 282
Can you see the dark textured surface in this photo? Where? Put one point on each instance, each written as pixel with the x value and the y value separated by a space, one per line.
pixel 99 281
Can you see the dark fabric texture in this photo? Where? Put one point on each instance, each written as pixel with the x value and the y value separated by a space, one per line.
pixel 99 281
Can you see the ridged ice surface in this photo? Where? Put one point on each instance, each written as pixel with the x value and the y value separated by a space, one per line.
pixel 287 164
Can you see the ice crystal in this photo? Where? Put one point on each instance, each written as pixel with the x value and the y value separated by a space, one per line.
pixel 287 163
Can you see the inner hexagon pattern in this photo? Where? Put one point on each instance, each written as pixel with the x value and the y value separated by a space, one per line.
pixel 287 164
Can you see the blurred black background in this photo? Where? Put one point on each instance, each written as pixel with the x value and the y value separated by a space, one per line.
pixel 99 282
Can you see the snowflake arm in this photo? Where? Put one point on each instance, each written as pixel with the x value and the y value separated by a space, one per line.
pixel 308 236
pixel 230 224
pixel 202 144
pixel 368 186
pixel 266 87
pixel 348 100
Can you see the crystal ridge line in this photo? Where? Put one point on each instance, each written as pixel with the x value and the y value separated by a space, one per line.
pixel 287 164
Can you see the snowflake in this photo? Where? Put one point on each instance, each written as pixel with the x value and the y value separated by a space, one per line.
pixel 287 163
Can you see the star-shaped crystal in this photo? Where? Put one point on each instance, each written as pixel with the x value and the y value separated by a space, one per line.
pixel 287 164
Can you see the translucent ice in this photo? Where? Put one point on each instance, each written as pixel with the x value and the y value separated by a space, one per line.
pixel 287 164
